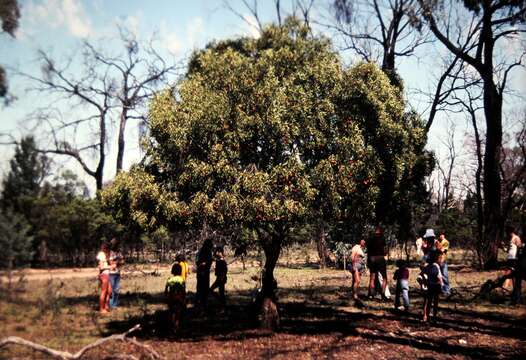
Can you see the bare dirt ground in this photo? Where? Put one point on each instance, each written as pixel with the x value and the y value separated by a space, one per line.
pixel 318 318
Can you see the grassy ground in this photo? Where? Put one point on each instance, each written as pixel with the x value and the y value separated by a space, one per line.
pixel 318 319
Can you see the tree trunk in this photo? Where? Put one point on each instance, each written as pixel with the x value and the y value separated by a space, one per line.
pixel 121 143
pixel 492 182
pixel 321 245
pixel 269 312
pixel 478 191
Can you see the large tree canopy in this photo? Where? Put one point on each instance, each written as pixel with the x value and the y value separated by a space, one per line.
pixel 266 133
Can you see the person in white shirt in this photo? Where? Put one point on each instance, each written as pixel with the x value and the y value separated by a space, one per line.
pixel 513 247
pixel 104 278
pixel 357 266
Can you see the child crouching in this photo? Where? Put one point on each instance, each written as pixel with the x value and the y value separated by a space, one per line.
pixel 175 292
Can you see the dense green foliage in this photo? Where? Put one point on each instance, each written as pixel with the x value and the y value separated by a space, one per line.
pixel 55 219
pixel 15 240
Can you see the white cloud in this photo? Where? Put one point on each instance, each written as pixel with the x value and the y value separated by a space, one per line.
pixel 169 39
pixel 251 26
pixel 195 30
pixel 76 19
pixel 55 14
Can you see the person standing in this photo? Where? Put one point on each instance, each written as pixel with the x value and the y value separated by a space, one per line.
pixel 185 268
pixel 116 262
pixel 221 271
pixel 104 274
pixel 442 245
pixel 376 260
pixel 434 285
pixel 515 244
pixel 357 266
pixel 429 243
pixel 175 293
pixel 418 244
pixel 401 276
pixel 204 263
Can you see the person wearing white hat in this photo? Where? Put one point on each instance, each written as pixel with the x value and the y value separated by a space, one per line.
pixel 429 243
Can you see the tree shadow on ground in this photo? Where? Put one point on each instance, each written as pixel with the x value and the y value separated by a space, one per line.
pixel 332 317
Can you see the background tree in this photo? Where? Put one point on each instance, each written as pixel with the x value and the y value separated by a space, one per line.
pixel 15 242
pixel 28 169
pixel 379 31
pixel 9 16
pixel 110 90
pixel 491 24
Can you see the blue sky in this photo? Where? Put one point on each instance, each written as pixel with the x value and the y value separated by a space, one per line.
pixel 58 26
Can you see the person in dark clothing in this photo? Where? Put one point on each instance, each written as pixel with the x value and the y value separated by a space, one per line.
pixel 221 271
pixel 204 263
pixel 376 260
pixel 434 284
pixel 401 276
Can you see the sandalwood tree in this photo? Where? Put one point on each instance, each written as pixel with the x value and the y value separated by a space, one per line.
pixel 266 133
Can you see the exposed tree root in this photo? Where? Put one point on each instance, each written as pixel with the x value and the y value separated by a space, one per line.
pixel 64 355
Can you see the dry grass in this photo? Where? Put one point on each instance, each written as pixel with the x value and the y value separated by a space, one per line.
pixel 319 320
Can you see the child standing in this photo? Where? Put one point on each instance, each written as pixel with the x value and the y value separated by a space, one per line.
pixel 401 276
pixel 175 292
pixel 434 284
pixel 185 268
pixel 221 271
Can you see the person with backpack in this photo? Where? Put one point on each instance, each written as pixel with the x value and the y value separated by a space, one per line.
pixel 221 270
pixel 434 284
pixel 175 292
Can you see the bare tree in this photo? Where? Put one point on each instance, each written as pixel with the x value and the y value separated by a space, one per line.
pixel 297 8
pixel 109 91
pixel 491 23
pixel 378 30
pixel 445 169
pixel 513 171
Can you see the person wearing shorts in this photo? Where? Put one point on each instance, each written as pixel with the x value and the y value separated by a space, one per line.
pixel 357 266
pixel 376 260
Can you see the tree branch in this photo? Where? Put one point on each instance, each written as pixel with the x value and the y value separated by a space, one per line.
pixel 64 355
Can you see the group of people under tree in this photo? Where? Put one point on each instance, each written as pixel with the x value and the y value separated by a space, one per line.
pixel 434 274
pixel 433 278
pixel 110 260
